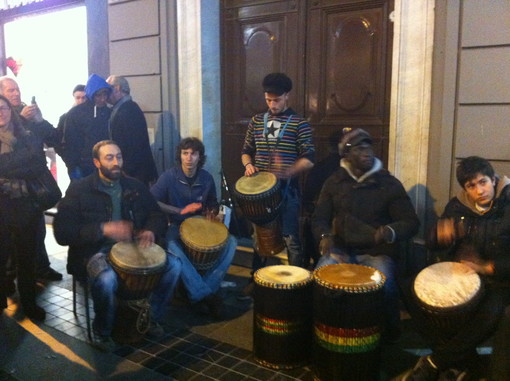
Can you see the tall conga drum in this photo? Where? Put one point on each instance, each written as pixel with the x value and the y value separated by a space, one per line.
pixel 203 241
pixel 282 314
pixel 139 270
pixel 259 197
pixel 347 306
pixel 447 293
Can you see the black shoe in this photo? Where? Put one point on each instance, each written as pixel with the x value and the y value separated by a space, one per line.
pixel 49 274
pixel 214 304
pixel 35 313
pixel 10 287
pixel 424 370
pixel 247 293
pixel 156 331
pixel 453 375
pixel 103 343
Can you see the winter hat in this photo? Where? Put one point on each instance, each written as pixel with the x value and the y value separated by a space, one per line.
pixel 351 138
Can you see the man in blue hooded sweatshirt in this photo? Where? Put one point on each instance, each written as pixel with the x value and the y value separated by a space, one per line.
pixel 85 125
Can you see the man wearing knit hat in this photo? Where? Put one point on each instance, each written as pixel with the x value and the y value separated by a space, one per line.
pixel 280 141
pixel 361 215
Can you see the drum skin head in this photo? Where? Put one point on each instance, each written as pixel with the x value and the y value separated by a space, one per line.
pixel 203 234
pixel 129 255
pixel 282 276
pixel 259 183
pixel 349 277
pixel 446 284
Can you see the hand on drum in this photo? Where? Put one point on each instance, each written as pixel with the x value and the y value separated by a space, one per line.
pixel 250 170
pixel 145 239
pixel 325 245
pixel 118 230
pixel 484 268
pixel 191 208
pixel 445 231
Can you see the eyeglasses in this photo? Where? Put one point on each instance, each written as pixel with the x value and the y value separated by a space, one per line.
pixel 5 109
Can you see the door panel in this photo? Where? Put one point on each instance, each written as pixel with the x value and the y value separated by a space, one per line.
pixel 348 71
pixel 259 38
pixel 337 52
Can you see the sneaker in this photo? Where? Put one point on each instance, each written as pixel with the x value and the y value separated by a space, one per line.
pixel 214 304
pixel 156 331
pixel 453 375
pixel 247 293
pixel 424 370
pixel 103 343
pixel 49 274
pixel 35 313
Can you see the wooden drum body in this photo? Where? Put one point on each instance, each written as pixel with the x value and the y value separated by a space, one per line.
pixel 269 239
pixel 348 304
pixel 282 327
pixel 447 293
pixel 259 197
pixel 203 241
pixel 139 269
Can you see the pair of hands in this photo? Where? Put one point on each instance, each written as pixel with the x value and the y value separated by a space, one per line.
pixel 32 113
pixel 382 234
pixel 123 231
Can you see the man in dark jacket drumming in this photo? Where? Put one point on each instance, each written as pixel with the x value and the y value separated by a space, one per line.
pixel 361 215
pixel 475 230
pixel 98 211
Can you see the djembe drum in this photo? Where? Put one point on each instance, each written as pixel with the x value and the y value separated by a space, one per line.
pixel 139 270
pixel 203 241
pixel 259 197
pixel 282 328
pixel 447 293
pixel 348 304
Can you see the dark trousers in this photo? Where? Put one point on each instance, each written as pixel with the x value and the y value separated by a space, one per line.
pixel 20 242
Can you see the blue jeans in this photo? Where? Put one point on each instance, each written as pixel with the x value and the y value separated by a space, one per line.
pixel 199 286
pixel 384 264
pixel 104 285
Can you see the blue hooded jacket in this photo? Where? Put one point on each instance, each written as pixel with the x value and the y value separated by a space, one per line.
pixel 95 83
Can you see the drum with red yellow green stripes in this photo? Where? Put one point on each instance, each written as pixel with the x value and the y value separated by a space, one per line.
pixel 282 314
pixel 347 313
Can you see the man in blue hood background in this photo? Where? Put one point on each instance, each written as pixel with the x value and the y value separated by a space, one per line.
pixel 85 125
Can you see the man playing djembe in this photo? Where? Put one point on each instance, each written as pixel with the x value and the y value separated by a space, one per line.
pixel 184 191
pixel 475 230
pixel 362 214
pixel 98 211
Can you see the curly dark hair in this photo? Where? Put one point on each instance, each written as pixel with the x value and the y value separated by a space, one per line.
pixel 196 145
pixel 470 167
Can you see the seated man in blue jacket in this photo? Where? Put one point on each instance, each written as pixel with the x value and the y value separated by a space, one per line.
pixel 184 191
pixel 101 209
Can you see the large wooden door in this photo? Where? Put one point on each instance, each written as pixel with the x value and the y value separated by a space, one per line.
pixel 337 52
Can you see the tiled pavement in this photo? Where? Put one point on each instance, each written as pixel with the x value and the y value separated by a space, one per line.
pixel 195 347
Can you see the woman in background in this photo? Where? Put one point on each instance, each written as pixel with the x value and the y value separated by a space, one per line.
pixel 20 159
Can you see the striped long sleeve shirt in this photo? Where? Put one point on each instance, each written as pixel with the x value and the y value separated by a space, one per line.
pixel 277 143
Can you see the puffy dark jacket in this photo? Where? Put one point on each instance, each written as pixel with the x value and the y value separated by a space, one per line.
pixel 26 161
pixel 129 130
pixel 85 207
pixel 360 208
pixel 84 126
pixel 487 234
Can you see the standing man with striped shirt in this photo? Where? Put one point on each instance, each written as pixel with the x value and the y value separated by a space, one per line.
pixel 280 141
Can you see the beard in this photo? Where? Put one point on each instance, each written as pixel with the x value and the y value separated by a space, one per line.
pixel 112 174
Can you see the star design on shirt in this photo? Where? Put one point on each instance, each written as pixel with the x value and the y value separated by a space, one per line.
pixel 273 127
